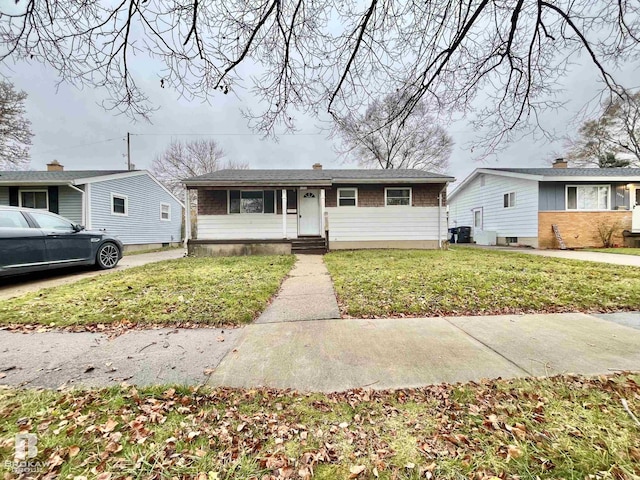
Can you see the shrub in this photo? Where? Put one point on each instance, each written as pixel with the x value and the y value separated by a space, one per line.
pixel 606 231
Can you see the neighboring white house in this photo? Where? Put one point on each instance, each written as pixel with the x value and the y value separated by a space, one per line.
pixel 131 205
pixel 241 211
pixel 518 206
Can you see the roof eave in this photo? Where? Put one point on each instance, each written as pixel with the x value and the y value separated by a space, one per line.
pixel 599 178
pixel 251 183
pixel 26 183
pixel 342 181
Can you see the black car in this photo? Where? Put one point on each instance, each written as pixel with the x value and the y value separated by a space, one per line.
pixel 33 240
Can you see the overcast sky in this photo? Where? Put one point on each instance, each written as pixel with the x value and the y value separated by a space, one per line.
pixel 70 125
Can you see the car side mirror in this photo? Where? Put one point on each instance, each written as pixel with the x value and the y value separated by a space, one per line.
pixel 77 227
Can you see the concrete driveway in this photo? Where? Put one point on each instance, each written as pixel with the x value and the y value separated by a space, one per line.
pixel 328 355
pixel 21 284
pixel 612 258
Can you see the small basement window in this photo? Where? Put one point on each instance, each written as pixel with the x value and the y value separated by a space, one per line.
pixel 34 199
pixel 165 212
pixel 397 196
pixel 509 200
pixel 512 240
pixel 119 204
pixel 347 197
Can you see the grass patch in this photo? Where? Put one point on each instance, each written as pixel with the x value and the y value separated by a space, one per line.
pixel 215 291
pixel 620 250
pixel 465 281
pixel 562 427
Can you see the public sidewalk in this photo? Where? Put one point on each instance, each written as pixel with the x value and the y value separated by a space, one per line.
pixel 329 355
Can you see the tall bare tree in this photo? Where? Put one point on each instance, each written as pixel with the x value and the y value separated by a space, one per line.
pixel 379 138
pixel 182 159
pixel 15 129
pixel 334 55
pixel 616 132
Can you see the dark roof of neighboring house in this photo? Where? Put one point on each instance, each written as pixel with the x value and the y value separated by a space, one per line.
pixel 62 176
pixel 316 176
pixel 573 172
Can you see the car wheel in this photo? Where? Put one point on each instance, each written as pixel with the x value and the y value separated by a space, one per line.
pixel 107 256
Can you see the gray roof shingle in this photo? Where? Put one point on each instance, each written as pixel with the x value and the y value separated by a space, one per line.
pixel 574 172
pixel 315 175
pixel 44 176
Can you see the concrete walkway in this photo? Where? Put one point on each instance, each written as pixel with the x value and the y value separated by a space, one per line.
pixel 328 355
pixel 21 284
pixel 307 294
pixel 613 258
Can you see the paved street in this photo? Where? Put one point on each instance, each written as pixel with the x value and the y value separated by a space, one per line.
pixel 21 284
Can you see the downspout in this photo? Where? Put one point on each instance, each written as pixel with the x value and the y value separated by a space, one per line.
pixel 440 216
pixel 84 204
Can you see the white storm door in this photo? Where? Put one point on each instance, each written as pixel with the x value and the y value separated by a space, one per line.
pixel 477 220
pixel 635 206
pixel 309 223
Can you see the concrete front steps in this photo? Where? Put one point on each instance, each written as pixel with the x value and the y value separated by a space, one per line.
pixel 309 246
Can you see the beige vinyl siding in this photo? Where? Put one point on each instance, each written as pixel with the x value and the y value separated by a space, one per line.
pixel 245 226
pixel 353 224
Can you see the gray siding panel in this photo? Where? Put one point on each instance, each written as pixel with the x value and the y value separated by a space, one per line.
pixel 142 224
pixel 4 195
pixel 552 195
pixel 70 204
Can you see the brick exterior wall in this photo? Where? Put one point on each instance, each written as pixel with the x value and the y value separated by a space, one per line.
pixel 212 202
pixel 422 195
pixel 580 229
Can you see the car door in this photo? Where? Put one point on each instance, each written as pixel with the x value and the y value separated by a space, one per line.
pixel 22 248
pixel 64 244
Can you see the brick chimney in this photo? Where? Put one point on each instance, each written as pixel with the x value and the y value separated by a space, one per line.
pixel 317 166
pixel 55 166
pixel 559 163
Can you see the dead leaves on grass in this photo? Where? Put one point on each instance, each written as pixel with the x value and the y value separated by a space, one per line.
pixel 176 430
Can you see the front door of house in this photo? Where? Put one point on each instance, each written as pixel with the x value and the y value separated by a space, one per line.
pixel 635 206
pixel 309 223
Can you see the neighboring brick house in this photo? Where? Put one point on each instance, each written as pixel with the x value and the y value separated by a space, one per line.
pixel 240 211
pixel 518 206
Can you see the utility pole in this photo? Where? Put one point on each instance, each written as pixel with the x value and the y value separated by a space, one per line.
pixel 128 151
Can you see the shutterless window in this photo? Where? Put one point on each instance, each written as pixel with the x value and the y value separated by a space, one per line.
pixel 118 205
pixel 252 201
pixel 347 197
pixel 34 199
pixel 509 200
pixel 398 196
pixel 165 211
pixel 12 220
pixel 588 197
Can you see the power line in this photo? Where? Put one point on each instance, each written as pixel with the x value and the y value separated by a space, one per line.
pixel 216 134
pixel 80 145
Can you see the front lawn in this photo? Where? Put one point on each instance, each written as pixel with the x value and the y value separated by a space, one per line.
pixel 468 281
pixel 621 250
pixel 563 427
pixel 214 291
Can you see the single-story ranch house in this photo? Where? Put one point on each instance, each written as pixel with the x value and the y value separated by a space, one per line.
pixel 131 205
pixel 260 211
pixel 520 206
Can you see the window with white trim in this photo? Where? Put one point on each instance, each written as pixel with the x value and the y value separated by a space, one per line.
pixel 347 197
pixel 509 200
pixel 588 197
pixel 397 197
pixel 119 204
pixel 34 199
pixel 252 201
pixel 165 212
